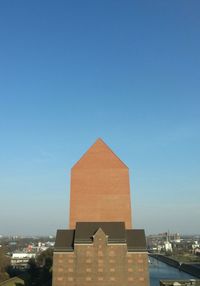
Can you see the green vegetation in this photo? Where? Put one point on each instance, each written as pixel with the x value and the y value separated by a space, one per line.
pixel 186 258
pixel 38 274
pixel 4 263
pixel 40 270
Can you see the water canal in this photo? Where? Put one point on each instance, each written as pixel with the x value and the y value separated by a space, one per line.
pixel 160 271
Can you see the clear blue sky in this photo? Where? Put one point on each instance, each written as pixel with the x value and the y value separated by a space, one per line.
pixel 125 71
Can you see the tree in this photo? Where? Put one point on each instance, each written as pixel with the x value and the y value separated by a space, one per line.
pixel 46 258
pixel 4 263
pixel 40 270
pixel 33 274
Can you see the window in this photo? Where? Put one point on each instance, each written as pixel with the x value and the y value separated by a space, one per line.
pixel 100 253
pixel 111 253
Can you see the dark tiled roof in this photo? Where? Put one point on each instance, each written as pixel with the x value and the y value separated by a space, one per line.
pixel 64 240
pixel 135 238
pixel 114 230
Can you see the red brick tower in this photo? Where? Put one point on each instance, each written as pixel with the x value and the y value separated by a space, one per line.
pixel 100 248
pixel 100 188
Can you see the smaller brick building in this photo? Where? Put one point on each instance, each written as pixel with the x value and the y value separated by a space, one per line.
pixel 100 253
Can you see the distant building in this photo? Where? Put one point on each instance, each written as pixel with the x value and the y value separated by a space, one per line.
pixel 188 282
pixel 19 260
pixel 176 238
pixel 197 251
pixel 195 245
pixel 168 246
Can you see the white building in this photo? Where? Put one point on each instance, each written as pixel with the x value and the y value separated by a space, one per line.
pixel 168 246
pixel 20 260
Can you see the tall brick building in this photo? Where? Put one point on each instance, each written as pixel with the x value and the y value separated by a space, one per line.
pixel 100 188
pixel 100 248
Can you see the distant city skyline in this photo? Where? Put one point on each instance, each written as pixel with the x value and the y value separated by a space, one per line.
pixel 72 72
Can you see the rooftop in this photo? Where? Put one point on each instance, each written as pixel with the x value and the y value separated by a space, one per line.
pixel 116 232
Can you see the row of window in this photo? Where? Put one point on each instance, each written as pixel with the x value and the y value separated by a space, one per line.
pixel 100 251
pixel 99 270
pixel 99 278
pixel 89 260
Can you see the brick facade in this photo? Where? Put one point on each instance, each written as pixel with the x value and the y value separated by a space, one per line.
pixel 100 188
pixel 100 248
pixel 100 263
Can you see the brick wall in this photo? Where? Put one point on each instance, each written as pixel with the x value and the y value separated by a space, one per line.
pixel 100 264
pixel 100 188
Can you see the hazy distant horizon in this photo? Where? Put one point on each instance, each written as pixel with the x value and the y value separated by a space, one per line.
pixel 50 236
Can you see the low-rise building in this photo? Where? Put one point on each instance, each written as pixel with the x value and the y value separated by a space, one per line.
pixel 188 282
pixel 19 260
pixel 100 253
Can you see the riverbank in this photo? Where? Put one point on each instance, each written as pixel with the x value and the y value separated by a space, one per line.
pixel 191 268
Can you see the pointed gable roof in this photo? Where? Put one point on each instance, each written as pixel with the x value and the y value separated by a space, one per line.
pixel 85 231
pixel 99 232
pixel 112 232
pixel 100 237
pixel 99 156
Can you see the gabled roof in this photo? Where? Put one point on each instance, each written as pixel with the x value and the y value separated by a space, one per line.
pixel 135 239
pixel 116 232
pixel 99 156
pixel 99 232
pixel 64 240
